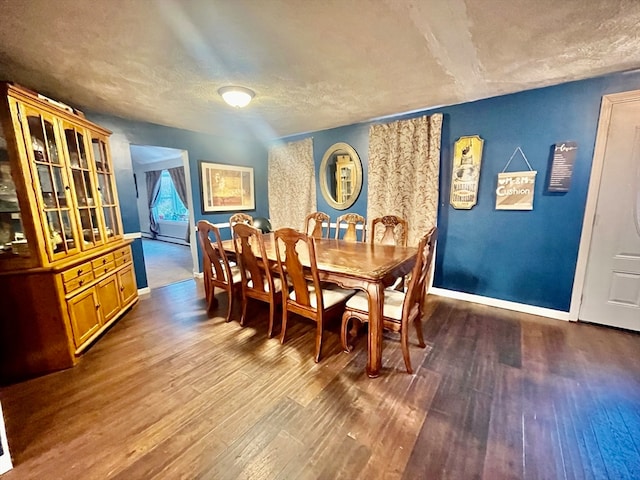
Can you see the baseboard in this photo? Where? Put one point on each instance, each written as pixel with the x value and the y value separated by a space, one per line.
pixel 132 235
pixel 504 304
pixel 164 238
pixel 144 291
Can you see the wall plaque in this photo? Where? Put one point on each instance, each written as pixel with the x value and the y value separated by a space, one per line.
pixel 564 157
pixel 515 189
pixel 465 174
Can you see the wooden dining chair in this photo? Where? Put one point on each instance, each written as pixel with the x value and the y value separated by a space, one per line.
pixel 314 225
pixel 216 268
pixel 351 220
pixel 308 297
pixel 388 230
pixel 400 308
pixel 240 218
pixel 257 280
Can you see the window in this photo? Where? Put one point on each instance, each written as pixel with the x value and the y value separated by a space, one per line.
pixel 169 207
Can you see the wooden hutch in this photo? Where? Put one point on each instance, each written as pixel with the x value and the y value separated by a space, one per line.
pixel 66 273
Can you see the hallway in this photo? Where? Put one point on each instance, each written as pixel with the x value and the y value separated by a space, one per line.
pixel 166 262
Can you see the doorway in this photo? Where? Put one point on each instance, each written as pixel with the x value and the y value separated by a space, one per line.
pixel 169 251
pixel 611 236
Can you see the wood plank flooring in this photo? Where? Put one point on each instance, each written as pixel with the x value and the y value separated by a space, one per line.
pixel 173 392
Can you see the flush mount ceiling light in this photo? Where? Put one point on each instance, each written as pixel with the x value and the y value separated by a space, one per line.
pixel 236 96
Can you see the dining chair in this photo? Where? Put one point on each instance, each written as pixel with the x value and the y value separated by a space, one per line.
pixel 399 308
pixel 394 232
pixel 257 280
pixel 240 218
pixel 389 230
pixel 308 297
pixel 314 225
pixel 352 220
pixel 216 268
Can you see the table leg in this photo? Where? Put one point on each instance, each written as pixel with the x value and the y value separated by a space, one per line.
pixel 375 292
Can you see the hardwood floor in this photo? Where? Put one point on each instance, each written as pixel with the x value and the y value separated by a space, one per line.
pixel 171 392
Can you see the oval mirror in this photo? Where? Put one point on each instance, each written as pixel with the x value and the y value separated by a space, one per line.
pixel 340 176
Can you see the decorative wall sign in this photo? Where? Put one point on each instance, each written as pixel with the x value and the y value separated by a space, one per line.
pixel 226 187
pixel 465 174
pixel 564 156
pixel 515 189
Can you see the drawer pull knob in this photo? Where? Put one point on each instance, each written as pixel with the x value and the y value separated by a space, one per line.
pixel 79 272
pixel 106 270
pixel 122 289
pixel 80 282
pixel 104 260
pixel 97 306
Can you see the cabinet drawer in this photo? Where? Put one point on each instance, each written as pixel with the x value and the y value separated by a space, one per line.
pixel 100 262
pixel 76 272
pixel 103 269
pixel 124 259
pixel 76 282
pixel 122 252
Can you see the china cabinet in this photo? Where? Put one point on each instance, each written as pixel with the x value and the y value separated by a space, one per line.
pixel 66 273
pixel 345 175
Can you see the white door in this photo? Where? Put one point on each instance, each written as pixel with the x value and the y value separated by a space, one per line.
pixel 611 293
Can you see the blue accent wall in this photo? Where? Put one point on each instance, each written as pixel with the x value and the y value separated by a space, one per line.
pixel 527 257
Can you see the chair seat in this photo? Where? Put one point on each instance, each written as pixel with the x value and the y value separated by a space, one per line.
pixel 277 284
pixel 332 295
pixel 392 304
pixel 235 274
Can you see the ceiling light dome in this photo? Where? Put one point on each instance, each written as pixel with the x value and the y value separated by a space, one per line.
pixel 236 96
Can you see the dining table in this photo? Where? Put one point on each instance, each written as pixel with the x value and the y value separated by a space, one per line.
pixel 365 266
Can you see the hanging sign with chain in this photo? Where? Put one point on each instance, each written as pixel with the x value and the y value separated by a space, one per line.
pixel 515 189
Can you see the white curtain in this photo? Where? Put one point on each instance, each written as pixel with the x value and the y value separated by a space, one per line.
pixel 404 165
pixel 292 183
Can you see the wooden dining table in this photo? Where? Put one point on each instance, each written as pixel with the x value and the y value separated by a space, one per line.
pixel 358 265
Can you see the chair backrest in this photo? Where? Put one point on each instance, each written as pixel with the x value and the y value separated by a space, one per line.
pixel 313 225
pixel 351 220
pixel 394 233
pixel 215 264
pixel 417 288
pixel 240 218
pixel 256 275
pixel 291 247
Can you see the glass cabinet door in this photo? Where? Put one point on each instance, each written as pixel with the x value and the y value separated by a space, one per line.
pixel 12 237
pixel 106 188
pixel 49 168
pixel 83 182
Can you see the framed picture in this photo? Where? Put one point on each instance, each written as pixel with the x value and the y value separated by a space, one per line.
pixel 226 187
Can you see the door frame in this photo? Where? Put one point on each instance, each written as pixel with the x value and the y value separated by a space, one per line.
pixel 593 192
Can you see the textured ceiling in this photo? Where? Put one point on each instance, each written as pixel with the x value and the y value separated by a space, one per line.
pixel 312 64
